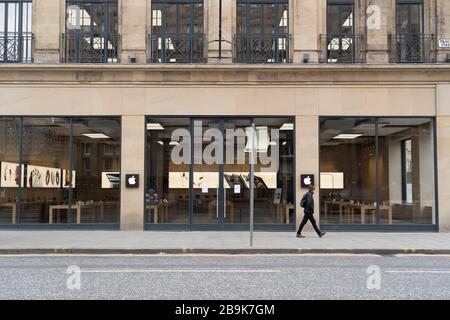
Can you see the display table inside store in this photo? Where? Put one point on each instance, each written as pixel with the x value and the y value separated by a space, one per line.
pixel 347 210
pixel 155 209
pixel 13 207
pixel 287 208
pixel 78 208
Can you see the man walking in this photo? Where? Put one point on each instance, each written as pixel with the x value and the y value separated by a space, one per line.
pixel 308 204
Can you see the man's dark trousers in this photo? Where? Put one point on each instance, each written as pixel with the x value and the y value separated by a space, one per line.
pixel 310 217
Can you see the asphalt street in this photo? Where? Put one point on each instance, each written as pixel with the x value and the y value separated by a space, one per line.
pixel 225 277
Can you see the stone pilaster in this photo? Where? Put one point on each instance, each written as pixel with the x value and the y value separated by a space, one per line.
pixel 377 26
pixel 48 16
pixel 133 29
pixel 212 30
pixel 443 28
pixel 133 150
pixel 306 25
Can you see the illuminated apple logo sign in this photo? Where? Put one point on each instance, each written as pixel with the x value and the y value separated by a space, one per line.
pixel 132 180
pixel 306 180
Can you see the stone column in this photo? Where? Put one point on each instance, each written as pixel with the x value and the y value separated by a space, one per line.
pixel 48 17
pixel 443 155
pixel 307 161
pixel 133 150
pixel 307 19
pixel 377 26
pixel 133 29
pixel 212 29
pixel 443 28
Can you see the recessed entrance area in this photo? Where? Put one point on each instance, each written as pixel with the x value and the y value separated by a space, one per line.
pixel 197 173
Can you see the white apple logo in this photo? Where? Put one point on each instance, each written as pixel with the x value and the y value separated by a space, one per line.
pixel 132 181
pixel 307 181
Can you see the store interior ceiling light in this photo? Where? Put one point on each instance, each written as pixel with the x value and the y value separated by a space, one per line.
pixel 287 126
pixel 154 126
pixel 160 142
pixel 96 135
pixel 174 143
pixel 347 136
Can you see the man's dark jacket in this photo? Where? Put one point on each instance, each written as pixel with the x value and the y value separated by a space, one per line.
pixel 309 203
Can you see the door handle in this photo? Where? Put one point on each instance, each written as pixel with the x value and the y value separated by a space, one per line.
pixel 217 203
pixel 224 202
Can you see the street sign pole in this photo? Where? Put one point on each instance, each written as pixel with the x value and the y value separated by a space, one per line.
pixel 252 173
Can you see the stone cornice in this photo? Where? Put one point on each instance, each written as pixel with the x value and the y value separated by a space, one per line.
pixel 221 74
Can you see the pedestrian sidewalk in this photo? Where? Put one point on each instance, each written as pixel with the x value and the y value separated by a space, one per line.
pixel 120 242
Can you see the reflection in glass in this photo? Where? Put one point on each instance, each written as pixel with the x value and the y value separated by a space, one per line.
pixel 348 170
pixel 167 180
pixel 91 31
pixel 356 154
pixel 262 31
pixel 45 154
pixel 9 173
pixel 177 31
pixel 406 166
pixel 96 165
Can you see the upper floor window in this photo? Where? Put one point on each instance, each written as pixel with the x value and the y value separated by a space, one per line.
pixel 177 33
pixel 15 31
pixel 340 44
pixel 262 31
pixel 91 31
pixel 411 44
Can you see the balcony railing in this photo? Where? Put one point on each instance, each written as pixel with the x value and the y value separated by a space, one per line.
pixel 177 48
pixel 90 48
pixel 412 48
pixel 261 48
pixel 342 48
pixel 16 47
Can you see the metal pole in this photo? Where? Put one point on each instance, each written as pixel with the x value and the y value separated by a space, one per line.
pixel 252 174
pixel 220 29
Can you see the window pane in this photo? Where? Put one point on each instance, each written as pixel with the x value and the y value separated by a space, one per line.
pixel 46 158
pixel 167 180
pixel 274 175
pixel 96 161
pixel 406 162
pixel 347 171
pixel 9 173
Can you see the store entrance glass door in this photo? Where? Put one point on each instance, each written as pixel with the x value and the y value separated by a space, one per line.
pixel 207 172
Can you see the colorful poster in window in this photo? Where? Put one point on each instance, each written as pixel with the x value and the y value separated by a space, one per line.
pixel 66 178
pixel 10 175
pixel 43 177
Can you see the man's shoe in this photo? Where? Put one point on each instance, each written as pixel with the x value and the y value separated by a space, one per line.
pixel 322 234
pixel 300 236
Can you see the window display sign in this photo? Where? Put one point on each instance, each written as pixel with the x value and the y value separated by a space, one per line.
pixel 10 175
pixel 43 177
pixel 110 180
pixel 66 178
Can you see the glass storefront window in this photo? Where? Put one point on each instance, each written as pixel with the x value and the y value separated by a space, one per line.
pixel 168 179
pixel 377 171
pixel 9 173
pixel 45 154
pixel 96 162
pixel 208 183
pixel 70 170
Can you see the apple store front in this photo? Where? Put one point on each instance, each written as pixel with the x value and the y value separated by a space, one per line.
pixel 378 173
pixel 197 173
pixel 60 172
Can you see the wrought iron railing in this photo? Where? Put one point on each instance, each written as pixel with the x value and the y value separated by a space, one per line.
pixel 261 48
pixel 412 48
pixel 177 48
pixel 342 48
pixel 90 48
pixel 16 47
